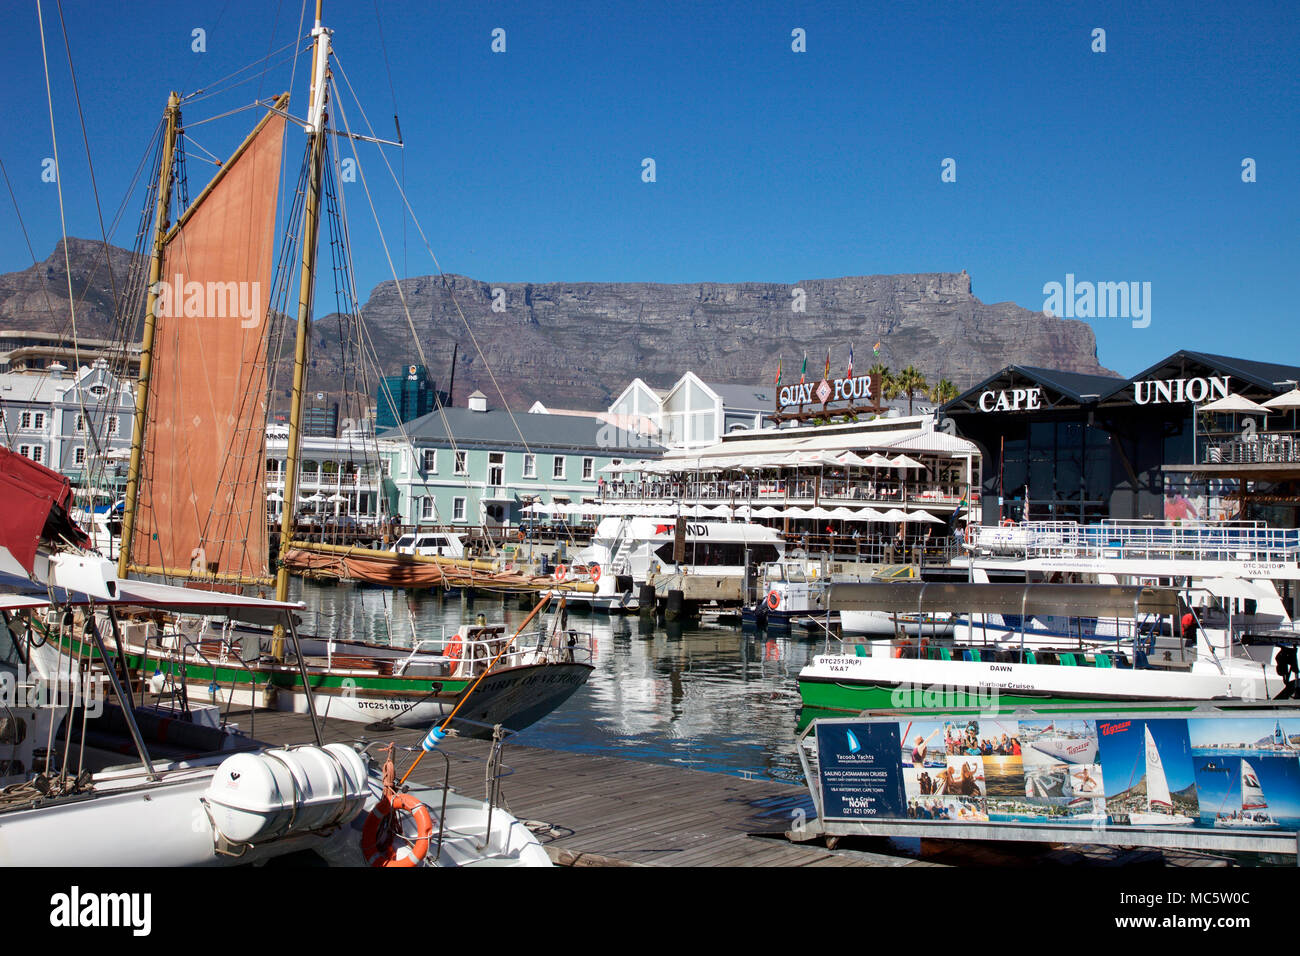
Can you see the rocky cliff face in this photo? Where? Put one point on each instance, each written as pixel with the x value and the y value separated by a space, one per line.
pixel 579 344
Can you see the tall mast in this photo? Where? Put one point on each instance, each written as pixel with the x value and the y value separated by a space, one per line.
pixel 173 118
pixel 311 226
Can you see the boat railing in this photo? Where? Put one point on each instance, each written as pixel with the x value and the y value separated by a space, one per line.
pixel 1236 542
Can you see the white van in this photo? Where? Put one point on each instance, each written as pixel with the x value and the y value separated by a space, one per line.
pixel 431 543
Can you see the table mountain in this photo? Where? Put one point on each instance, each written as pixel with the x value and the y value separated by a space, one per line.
pixel 578 344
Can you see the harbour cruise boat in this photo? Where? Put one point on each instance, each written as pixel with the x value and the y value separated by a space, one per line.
pixel 626 552
pixel 1118 613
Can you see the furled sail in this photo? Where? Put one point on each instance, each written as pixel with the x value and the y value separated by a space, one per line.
pixel 201 508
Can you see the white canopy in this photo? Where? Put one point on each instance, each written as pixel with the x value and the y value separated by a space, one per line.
pixel 1236 403
pixel 902 461
pixel 1287 400
pixel 922 516
pixel 894 514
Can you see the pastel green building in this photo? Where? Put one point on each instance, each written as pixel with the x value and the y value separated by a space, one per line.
pixel 480 467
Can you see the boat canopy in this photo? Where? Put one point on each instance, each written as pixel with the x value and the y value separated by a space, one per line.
pixel 1071 600
pixel 132 593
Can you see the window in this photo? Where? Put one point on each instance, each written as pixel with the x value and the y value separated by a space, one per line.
pixel 39 420
pixel 557 470
pixel 496 468
pixel 26 420
pixel 426 509
pixel 462 465
pixel 588 469
pixel 81 424
pixel 272 467
pixel 25 451
pixel 457 509
pixel 530 466
pixel 431 461
pixel 385 466
pixel 37 452
pixel 112 424
pixel 98 391
pixel 79 456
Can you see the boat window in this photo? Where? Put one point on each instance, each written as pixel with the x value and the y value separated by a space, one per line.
pixel 405 540
pixel 795 574
pixel 775 572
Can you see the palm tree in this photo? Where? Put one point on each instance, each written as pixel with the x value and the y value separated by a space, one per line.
pixel 910 381
pixel 943 392
pixel 881 380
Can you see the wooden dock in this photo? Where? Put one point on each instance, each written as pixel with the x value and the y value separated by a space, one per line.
pixel 591 810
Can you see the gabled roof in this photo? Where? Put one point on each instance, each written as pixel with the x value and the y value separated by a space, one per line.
pixel 496 429
pixel 1270 376
pixel 1080 387
pixel 745 397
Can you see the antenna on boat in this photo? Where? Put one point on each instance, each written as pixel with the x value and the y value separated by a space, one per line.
pixel 306 288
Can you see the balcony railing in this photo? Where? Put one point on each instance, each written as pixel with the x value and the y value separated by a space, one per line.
pixel 1261 448
pixel 799 491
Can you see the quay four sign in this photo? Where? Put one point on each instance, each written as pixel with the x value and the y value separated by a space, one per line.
pixel 1171 391
pixel 836 390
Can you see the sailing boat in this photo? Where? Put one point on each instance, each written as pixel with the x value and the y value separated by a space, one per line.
pixel 1254 808
pixel 194 505
pixel 197 795
pixel 1159 803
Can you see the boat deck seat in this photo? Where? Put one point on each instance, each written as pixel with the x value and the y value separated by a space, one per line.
pixel 1101 660
pixel 945 653
pixel 1067 660
pixel 860 650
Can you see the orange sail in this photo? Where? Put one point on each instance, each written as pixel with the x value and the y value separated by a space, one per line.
pixel 202 502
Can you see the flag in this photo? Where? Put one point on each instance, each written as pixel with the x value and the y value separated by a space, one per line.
pixel 778 373
pixel 803 371
pixel 876 351
pixel 828 364
pixel 850 374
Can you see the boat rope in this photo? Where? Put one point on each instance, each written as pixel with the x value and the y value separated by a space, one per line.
pixel 546 599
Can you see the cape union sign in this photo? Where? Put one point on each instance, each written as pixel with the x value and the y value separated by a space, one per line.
pixel 827 390
pixel 1146 392
pixel 1172 390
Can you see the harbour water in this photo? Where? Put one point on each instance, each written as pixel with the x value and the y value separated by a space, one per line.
pixel 700 695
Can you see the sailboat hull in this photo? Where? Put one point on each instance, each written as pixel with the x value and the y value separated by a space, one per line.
pixel 514 697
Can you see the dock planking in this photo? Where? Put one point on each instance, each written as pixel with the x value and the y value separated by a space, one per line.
pixel 593 810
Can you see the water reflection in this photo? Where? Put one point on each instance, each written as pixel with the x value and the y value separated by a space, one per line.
pixel 705 696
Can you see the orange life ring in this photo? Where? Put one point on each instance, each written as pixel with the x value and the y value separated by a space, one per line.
pixel 561 572
pixel 452 650
pixel 594 571
pixel 773 600
pixel 386 853
pixel 970 533
pixel 1008 523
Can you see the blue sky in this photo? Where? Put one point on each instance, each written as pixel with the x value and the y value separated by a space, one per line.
pixel 771 165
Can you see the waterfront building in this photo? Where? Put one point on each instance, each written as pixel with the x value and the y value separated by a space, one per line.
pixel 691 413
pixel 863 487
pixel 1065 446
pixel 475 466
pixel 78 424
pixel 337 477
pixel 30 351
